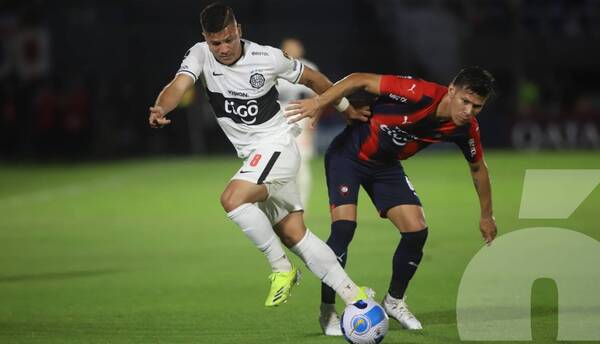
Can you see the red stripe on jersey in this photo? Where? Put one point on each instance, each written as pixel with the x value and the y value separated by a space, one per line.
pixel 404 120
pixel 445 129
pixel 409 150
pixel 371 145
pixel 411 89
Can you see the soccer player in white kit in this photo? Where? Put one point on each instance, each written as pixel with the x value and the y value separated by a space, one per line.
pixel 290 91
pixel 262 198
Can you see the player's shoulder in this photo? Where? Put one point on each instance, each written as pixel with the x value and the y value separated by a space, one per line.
pixel 308 63
pixel 197 50
pixel 403 76
pixel 409 78
pixel 259 51
pixel 468 131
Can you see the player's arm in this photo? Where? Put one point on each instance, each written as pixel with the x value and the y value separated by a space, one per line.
pixel 328 95
pixel 483 187
pixel 168 99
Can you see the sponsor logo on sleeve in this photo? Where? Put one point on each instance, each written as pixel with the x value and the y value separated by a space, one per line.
pixel 398 98
pixel 472 148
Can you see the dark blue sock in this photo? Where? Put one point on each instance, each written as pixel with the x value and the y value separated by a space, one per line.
pixel 342 232
pixel 406 260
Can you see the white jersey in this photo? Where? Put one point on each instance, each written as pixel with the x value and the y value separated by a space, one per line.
pixel 243 95
pixel 289 91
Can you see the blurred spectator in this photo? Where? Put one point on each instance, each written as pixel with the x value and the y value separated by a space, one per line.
pixel 75 118
pixel 32 48
pixel 288 92
pixel 528 98
pixel 46 110
pixel 74 77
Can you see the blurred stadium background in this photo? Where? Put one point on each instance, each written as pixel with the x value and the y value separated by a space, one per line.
pixel 77 77
pixel 111 232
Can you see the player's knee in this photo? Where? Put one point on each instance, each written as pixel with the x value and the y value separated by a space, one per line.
pixel 229 201
pixel 414 241
pixel 416 225
pixel 290 236
pixel 342 232
pixel 289 239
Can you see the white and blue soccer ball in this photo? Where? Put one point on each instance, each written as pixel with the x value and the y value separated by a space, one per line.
pixel 364 322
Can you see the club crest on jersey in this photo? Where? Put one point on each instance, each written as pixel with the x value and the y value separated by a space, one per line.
pixel 344 190
pixel 257 80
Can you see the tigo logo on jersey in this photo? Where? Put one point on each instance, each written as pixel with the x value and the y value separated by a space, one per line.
pixel 247 112
pixel 257 80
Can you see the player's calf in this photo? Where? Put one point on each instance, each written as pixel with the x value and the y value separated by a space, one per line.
pixel 342 232
pixel 406 261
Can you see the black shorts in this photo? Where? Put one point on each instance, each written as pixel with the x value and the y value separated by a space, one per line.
pixel 386 184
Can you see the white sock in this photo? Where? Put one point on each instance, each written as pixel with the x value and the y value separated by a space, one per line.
pixel 304 181
pixel 321 260
pixel 256 226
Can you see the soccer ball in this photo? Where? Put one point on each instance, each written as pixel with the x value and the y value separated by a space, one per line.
pixel 364 322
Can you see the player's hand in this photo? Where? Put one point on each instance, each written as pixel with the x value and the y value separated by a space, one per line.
pixel 300 109
pixel 487 226
pixel 361 114
pixel 157 117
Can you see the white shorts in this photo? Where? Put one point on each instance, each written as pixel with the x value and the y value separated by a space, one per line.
pixel 275 164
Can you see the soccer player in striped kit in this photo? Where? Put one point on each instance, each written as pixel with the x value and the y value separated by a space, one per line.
pixel 408 115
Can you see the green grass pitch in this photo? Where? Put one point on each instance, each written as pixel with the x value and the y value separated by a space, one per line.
pixel 141 252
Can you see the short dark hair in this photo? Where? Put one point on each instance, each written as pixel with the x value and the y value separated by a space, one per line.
pixel 477 80
pixel 215 17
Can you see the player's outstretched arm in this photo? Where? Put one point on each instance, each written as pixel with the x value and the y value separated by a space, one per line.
pixel 312 107
pixel 483 186
pixel 168 99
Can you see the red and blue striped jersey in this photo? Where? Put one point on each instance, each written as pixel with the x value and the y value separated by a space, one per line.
pixel 403 122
